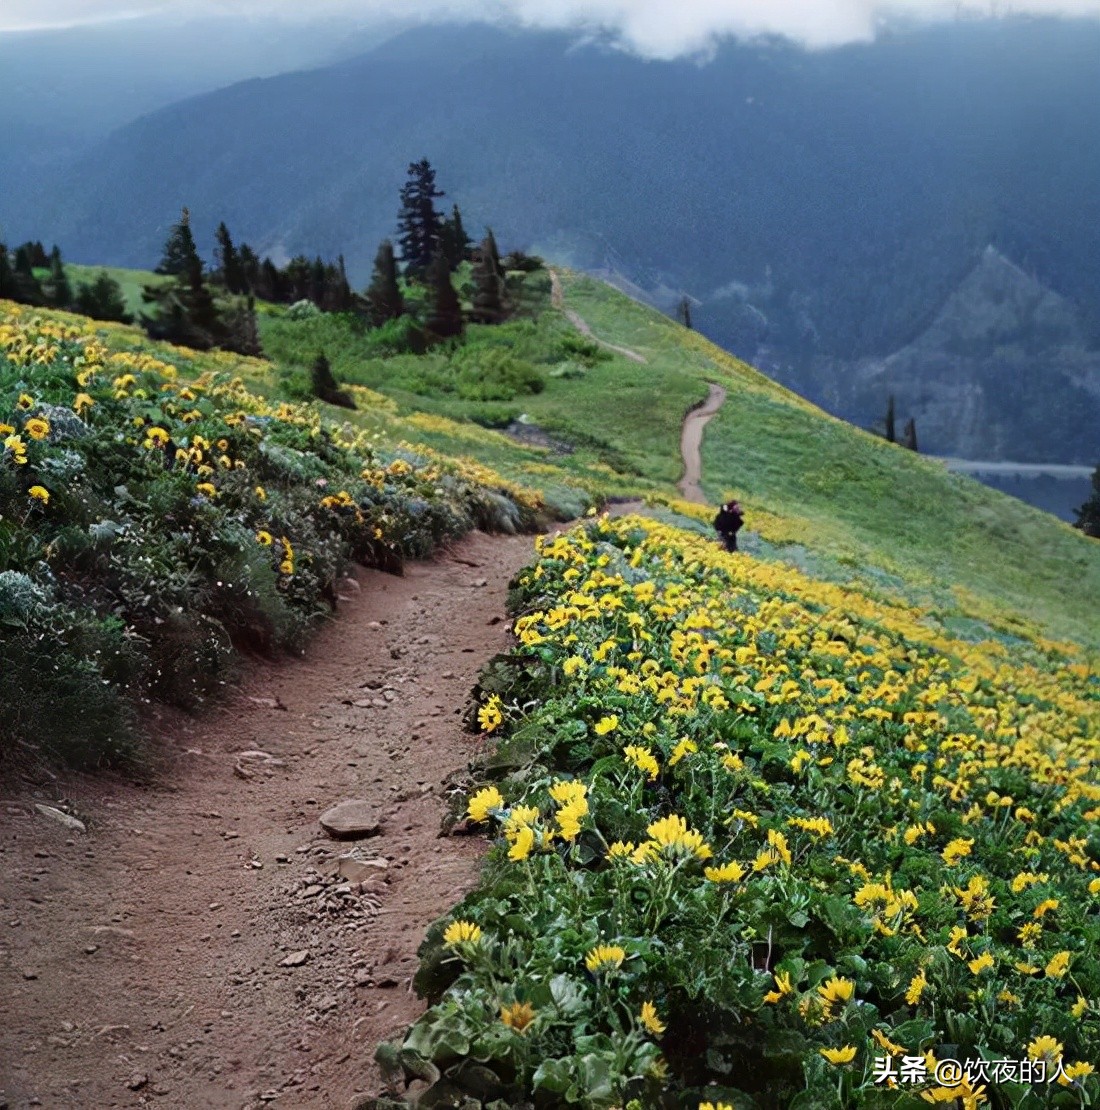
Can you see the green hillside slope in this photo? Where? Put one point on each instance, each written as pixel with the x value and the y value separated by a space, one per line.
pixel 817 489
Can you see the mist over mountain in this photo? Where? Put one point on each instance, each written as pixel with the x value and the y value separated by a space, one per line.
pixel 918 216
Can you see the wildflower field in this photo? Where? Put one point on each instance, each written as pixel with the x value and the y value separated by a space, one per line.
pixel 156 515
pixel 767 841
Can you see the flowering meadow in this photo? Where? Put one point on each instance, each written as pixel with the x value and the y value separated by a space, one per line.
pixel 762 840
pixel 155 516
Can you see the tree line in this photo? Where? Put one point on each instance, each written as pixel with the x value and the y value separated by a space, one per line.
pixel 203 307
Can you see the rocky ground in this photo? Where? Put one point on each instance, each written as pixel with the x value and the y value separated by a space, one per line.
pixel 202 942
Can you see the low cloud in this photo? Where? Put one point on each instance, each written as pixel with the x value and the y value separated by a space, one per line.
pixel 654 28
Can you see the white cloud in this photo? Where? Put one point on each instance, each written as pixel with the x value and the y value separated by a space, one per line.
pixel 657 28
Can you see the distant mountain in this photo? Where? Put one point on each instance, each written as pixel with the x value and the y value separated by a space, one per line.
pixel 836 216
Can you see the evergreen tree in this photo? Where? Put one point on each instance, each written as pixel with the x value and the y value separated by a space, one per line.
pixel 23 260
pixel 445 318
pixel 1088 515
pixel 185 309
pixel 384 300
pixel 7 276
pixel 228 262
pixel 26 288
pixel 490 243
pixel 341 298
pixel 488 306
pixel 453 240
pixel 39 258
pixel 249 264
pixel 418 222
pixel 891 435
pixel 326 387
pixel 909 436
pixel 102 299
pixel 179 250
pixel 60 292
pixel 683 312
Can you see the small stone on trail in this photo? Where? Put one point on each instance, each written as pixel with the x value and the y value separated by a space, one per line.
pixel 350 820
pixel 358 870
pixel 295 959
pixel 61 817
pixel 137 1081
pixel 268 703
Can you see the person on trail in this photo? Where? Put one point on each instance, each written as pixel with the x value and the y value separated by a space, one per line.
pixel 728 523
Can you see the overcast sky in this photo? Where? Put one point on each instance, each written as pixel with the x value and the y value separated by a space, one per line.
pixel 661 28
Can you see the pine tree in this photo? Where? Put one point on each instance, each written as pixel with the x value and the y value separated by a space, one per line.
pixel 341 297
pixel 909 435
pixel 490 242
pixel 418 222
pixel 228 262
pixel 7 278
pixel 445 319
pixel 179 250
pixel 26 288
pixel 60 292
pixel 1088 515
pixel 453 240
pixel 326 387
pixel 684 312
pixel 891 435
pixel 384 300
pixel 185 310
pixel 488 306
pixel 102 299
pixel 249 264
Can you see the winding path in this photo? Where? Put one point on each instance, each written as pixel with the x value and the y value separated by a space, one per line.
pixel 557 299
pixel 691 439
pixel 195 948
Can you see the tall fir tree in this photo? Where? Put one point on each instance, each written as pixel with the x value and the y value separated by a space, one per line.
pixel 445 319
pixel 59 291
pixel 249 264
pixel 184 309
pixel 683 312
pixel 180 249
pixel 490 243
pixel 488 305
pixel 418 222
pixel 27 287
pixel 7 276
pixel 384 300
pixel 228 262
pixel 891 431
pixel 1088 515
pixel 909 435
pixel 453 240
pixel 326 387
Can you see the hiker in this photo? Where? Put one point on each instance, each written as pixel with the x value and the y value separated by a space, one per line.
pixel 728 523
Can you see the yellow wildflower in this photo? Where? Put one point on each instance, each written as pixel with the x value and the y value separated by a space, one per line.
pixel 604 957
pixel 605 725
pixel 1044 1047
pixel 728 873
pixel 491 716
pixel 649 1019
pixel 485 800
pixel 839 1056
pixel 684 747
pixel 956 850
pixel 39 493
pixel 643 759
pixel 518 1016
pixel 461 932
pixel 1058 965
pixel 783 987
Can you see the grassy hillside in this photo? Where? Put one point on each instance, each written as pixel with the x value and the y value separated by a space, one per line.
pixel 819 490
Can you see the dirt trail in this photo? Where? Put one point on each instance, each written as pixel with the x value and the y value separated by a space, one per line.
pixel 557 299
pixel 691 440
pixel 193 949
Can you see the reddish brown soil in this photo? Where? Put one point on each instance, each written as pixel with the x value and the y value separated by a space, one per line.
pixel 141 964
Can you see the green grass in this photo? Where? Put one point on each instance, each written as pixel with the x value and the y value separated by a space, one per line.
pixel 131 281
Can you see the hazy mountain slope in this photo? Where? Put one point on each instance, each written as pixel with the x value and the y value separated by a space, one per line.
pixel 821 208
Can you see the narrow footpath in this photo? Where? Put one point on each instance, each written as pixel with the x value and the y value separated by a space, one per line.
pixel 197 947
pixel 557 300
pixel 691 442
